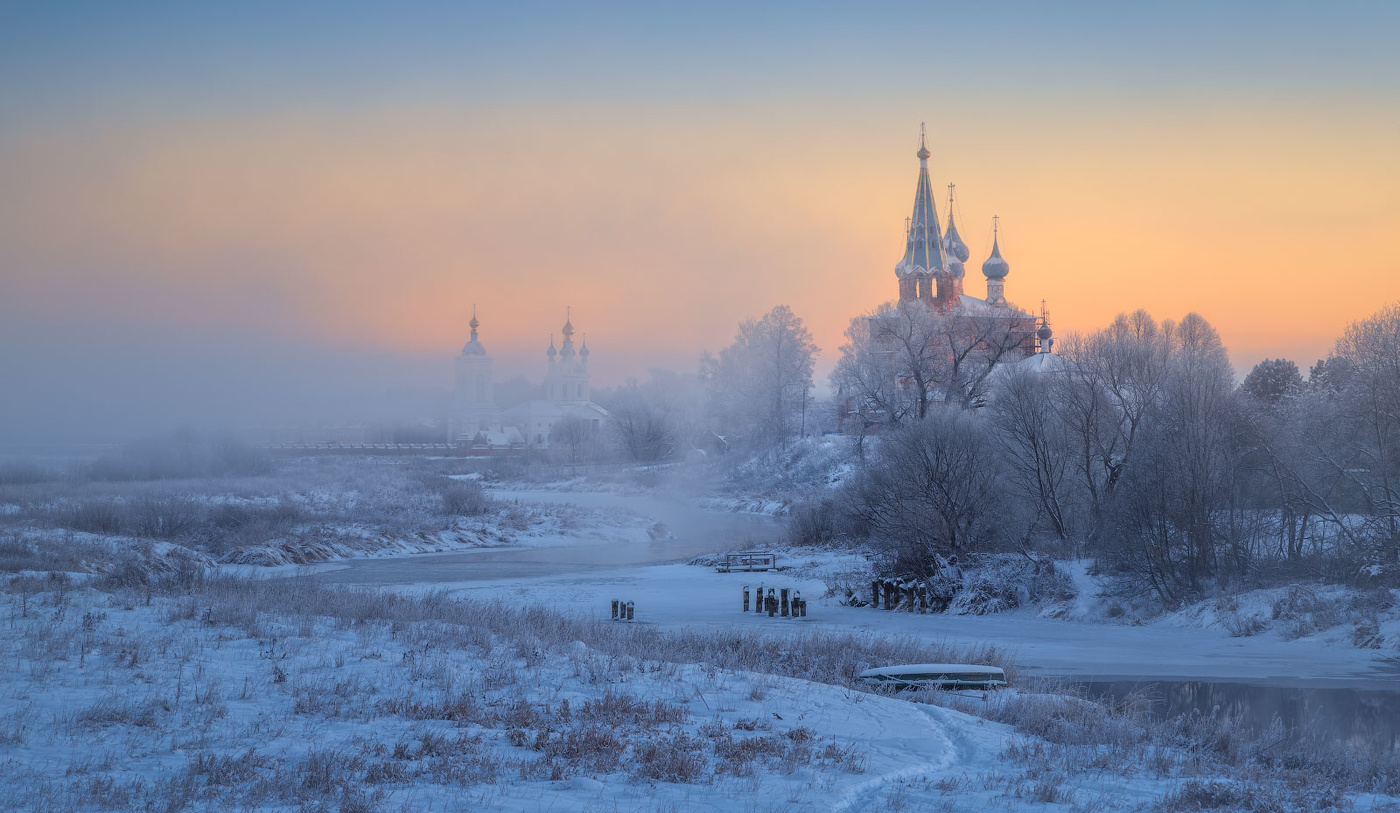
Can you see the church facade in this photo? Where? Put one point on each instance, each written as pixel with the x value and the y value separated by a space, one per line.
pixel 476 421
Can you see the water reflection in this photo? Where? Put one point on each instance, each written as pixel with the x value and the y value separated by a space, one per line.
pixel 1357 716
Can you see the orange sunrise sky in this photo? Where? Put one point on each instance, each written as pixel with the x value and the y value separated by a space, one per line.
pixel 206 191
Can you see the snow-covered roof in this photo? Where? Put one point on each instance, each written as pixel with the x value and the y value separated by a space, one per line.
pixel 1045 363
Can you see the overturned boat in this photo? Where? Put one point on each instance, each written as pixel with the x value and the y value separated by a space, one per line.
pixel 936 676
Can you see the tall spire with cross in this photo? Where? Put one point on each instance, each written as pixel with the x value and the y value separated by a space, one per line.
pixel 923 249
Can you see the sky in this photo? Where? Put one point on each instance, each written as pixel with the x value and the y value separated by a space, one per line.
pixel 217 214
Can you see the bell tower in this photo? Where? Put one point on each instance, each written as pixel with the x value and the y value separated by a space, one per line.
pixel 474 398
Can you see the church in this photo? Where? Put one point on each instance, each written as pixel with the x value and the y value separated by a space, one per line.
pixel 477 422
pixel 935 343
pixel 931 271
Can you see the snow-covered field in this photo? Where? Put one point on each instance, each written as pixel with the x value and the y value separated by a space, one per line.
pixel 486 674
pixel 280 695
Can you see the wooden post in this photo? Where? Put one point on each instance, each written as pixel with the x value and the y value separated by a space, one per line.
pixel 772 603
pixel 875 594
pixel 784 604
pixel 758 600
pixel 614 608
pixel 630 607
pixel 746 598
pixel 796 603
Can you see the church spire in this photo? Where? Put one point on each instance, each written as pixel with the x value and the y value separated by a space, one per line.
pixel 566 350
pixel 474 347
pixel 923 250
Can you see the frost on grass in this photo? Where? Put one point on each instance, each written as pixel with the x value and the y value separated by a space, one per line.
pixel 300 512
pixel 224 693
pixel 214 693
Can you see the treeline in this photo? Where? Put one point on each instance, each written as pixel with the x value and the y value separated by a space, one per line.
pixel 1137 447
pixel 755 393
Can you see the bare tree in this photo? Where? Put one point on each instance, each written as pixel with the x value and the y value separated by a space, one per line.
pixel 888 364
pixel 761 384
pixel 575 439
pixel 1114 379
pixel 901 360
pixel 974 344
pixel 1035 445
pixel 1173 505
pixel 656 419
pixel 1371 405
pixel 932 491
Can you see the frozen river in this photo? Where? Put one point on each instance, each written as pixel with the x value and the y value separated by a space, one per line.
pixel 1306 681
pixel 691 532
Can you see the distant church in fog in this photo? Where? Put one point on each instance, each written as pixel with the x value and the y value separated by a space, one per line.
pixel 477 421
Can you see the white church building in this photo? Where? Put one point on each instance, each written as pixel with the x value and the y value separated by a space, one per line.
pixel 476 420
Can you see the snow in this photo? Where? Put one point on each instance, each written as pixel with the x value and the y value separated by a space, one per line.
pixel 679 596
pixel 889 753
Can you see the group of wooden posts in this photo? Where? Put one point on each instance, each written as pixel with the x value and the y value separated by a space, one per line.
pixel 622 610
pixel 907 595
pixel 776 602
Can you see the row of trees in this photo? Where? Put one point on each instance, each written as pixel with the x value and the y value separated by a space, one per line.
pixel 1137 445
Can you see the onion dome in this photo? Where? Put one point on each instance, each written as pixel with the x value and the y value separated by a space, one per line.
pixel 583 351
pixel 474 347
pixel 953 243
pixel 551 352
pixel 1044 333
pixel 995 267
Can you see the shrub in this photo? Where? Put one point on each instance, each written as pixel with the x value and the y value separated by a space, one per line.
pixel 677 758
pixel 463 497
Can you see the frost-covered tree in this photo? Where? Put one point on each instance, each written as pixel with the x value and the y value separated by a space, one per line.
pixel 1036 446
pixel 889 364
pixel 902 360
pixel 656 419
pixel 1370 403
pixel 932 491
pixel 761 385
pixel 1115 378
pixel 575 440
pixel 1171 516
